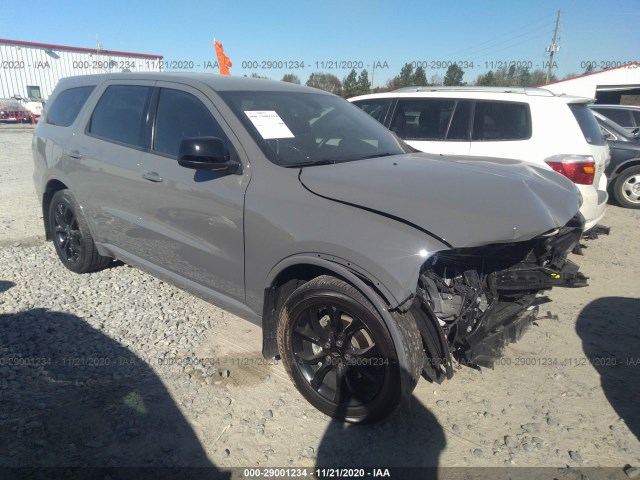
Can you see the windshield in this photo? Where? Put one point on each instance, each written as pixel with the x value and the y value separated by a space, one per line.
pixel 300 128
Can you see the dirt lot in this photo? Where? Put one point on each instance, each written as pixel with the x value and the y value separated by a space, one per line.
pixel 95 372
pixel 19 212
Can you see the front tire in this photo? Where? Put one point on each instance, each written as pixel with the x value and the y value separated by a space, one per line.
pixel 71 236
pixel 626 188
pixel 340 354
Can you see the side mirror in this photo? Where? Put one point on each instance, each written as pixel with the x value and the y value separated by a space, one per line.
pixel 205 153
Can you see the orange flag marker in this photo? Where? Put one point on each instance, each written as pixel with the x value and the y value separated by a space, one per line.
pixel 223 60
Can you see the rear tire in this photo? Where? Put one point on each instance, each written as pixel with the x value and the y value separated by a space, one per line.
pixel 71 236
pixel 626 187
pixel 340 354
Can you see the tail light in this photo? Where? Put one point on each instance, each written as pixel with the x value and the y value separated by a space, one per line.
pixel 579 169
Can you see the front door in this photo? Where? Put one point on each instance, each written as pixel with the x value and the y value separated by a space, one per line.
pixel 192 220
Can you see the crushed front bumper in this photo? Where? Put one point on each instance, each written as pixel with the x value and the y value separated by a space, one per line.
pixel 485 353
pixel 483 298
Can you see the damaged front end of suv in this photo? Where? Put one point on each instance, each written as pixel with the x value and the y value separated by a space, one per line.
pixel 471 302
pixel 496 234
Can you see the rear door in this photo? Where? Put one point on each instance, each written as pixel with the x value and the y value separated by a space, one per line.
pixel 433 125
pixel 106 161
pixel 192 219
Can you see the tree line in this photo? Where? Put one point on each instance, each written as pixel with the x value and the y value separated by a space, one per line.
pixel 359 84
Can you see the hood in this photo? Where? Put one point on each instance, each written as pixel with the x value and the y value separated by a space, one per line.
pixel 465 201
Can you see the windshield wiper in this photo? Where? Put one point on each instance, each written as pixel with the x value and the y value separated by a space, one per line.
pixel 378 155
pixel 309 164
pixel 366 157
pixel 338 160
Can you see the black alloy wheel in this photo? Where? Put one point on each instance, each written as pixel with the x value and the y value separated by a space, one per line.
pixel 66 232
pixel 339 352
pixel 71 236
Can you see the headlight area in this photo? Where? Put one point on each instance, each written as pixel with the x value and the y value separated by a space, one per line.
pixel 482 298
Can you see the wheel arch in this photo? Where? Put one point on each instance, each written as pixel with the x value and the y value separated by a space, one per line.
pixel 53 185
pixel 631 162
pixel 294 271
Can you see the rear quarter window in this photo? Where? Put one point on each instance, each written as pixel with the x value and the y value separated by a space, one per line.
pixel 588 124
pixel 495 121
pixel 65 108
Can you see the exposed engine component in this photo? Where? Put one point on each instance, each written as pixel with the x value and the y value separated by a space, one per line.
pixel 484 297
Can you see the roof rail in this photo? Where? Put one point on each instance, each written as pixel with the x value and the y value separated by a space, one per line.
pixel 523 90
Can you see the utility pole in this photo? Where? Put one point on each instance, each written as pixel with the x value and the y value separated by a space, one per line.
pixel 373 72
pixel 553 48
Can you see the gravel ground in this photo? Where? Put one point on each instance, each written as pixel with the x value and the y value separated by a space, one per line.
pixel 99 369
pixel 19 211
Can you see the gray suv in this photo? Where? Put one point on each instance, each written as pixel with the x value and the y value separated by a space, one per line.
pixel 366 264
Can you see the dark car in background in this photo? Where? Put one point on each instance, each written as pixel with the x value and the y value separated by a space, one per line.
pixel 623 170
pixel 627 116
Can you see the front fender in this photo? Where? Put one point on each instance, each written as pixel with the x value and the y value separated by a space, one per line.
pixel 337 265
pixel 283 220
pixel 46 186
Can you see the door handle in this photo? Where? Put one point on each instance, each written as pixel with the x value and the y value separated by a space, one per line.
pixel 75 154
pixel 152 177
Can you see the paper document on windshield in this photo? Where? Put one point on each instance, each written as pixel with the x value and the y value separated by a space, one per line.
pixel 269 124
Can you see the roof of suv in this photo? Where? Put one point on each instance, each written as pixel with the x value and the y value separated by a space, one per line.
pixel 216 82
pixel 475 92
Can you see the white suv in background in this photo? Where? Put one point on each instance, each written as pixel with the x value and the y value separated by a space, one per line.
pixel 530 124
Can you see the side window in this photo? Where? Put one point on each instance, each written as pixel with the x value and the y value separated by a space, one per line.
pixel 459 128
pixel 67 105
pixel 501 121
pixel 33 92
pixel 119 114
pixel 426 119
pixel 181 115
pixel 377 108
pixel 621 117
